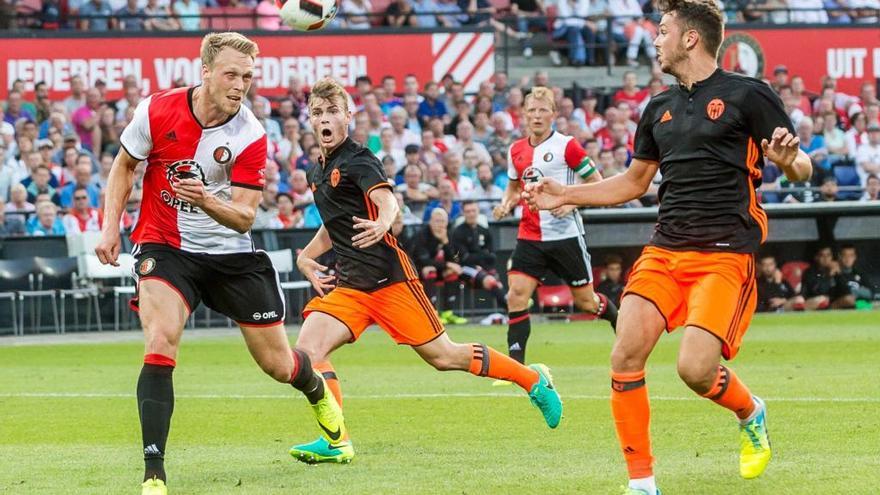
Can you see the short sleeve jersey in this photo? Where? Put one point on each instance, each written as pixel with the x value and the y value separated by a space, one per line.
pixel 707 141
pixel 342 187
pixel 165 132
pixel 559 157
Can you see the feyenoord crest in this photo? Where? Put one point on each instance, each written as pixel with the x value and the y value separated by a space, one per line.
pixel 222 155
pixel 185 169
pixel 532 174
pixel 146 266
pixel 334 177
pixel 715 108
pixel 548 157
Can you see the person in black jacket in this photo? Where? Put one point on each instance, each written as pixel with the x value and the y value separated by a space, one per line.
pixel 613 285
pixel 822 285
pixel 859 285
pixel 437 263
pixel 472 243
pixel 774 293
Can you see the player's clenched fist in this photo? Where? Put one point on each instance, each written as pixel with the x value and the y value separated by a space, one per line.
pixel 107 249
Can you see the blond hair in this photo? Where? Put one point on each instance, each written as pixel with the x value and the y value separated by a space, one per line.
pixel 213 43
pixel 541 93
pixel 330 90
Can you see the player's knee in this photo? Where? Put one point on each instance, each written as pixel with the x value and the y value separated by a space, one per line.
pixel 280 371
pixel 517 299
pixel 159 340
pixel 625 359
pixel 697 376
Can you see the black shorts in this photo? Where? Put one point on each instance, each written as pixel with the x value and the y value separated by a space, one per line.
pixel 567 258
pixel 242 286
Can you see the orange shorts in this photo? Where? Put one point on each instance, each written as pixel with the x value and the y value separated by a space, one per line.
pixel 712 291
pixel 402 310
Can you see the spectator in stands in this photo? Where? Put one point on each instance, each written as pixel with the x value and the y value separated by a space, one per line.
pixel 798 92
pixel 529 14
pixel 462 184
pixel 638 31
pixel 451 14
pixel 807 12
pixel 828 189
pixel 774 293
pixel 780 77
pixel 447 199
pixel 606 164
pixel 411 106
pixel 859 285
pixel 857 133
pixel 302 195
pixel 500 140
pixel 82 178
pixel 813 144
pixel 388 149
pixel 822 285
pixel 130 17
pixel 486 192
pixel 310 159
pixel 401 136
pixel 267 210
pixel 571 24
pixel 872 188
pixel 14 108
pixel 630 92
pixel 96 15
pixel 187 13
pixel 40 185
pixel 416 193
pixel 400 13
pixel 81 217
pixel 868 154
pixel 473 247
pixel 46 221
pixel 268 18
pixel 288 216
pixel 865 11
pixel 10 225
pixel 18 202
pixel 465 141
pixel 77 96
pixel 426 10
pixel 85 120
pixel 835 139
pixel 42 104
pixel 437 262
pixel 837 11
pixel 158 17
pixel 613 284
pixel 356 14
pixel 8 176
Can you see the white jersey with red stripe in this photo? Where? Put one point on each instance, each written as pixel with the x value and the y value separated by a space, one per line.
pixel 165 132
pixel 559 157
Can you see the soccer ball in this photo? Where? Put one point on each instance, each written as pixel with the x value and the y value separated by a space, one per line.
pixel 307 15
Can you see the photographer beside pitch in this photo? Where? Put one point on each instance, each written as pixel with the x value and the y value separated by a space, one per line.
pixel 698 270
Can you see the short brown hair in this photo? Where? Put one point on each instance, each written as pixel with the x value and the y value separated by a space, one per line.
pixel 541 93
pixel 703 16
pixel 213 43
pixel 330 90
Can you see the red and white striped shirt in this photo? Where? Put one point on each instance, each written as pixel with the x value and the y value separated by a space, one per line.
pixel 559 157
pixel 165 132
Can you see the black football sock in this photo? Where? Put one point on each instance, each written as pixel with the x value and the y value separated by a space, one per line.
pixel 607 311
pixel 155 395
pixel 305 379
pixel 518 330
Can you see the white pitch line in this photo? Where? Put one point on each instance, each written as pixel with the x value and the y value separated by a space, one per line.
pixel 101 395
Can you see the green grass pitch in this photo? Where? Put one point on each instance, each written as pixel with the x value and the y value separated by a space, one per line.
pixel 68 418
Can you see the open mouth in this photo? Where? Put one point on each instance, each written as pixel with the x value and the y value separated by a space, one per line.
pixel 235 98
pixel 326 133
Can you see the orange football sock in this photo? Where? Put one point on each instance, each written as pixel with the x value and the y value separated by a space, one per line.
pixel 729 392
pixel 489 362
pixel 326 370
pixel 632 419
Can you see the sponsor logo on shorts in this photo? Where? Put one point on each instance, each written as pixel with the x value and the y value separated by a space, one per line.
pixel 334 178
pixel 578 283
pixel 146 266
pixel 222 155
pixel 264 316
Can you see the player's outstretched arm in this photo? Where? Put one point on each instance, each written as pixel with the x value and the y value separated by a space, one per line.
pixel 783 149
pixel 310 268
pixel 237 214
pixel 119 185
pixel 548 194
pixel 372 231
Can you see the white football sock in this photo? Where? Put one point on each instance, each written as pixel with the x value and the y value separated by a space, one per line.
pixel 646 484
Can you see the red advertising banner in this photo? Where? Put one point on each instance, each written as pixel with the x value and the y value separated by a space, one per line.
pixel 157 62
pixel 849 54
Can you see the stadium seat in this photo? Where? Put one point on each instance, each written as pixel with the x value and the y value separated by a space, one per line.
pixel 846 175
pixel 60 274
pixel 92 269
pixel 282 260
pixel 792 272
pixel 15 275
pixel 555 296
